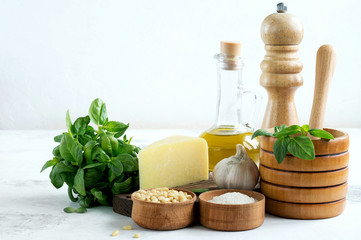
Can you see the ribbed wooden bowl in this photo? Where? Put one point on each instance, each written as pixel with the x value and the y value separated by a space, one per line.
pixel 304 195
pixel 291 163
pixel 231 217
pixel 305 211
pixel 164 216
pixel 304 179
pixel 306 189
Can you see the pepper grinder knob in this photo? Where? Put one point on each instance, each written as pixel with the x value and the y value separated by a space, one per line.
pixel 281 7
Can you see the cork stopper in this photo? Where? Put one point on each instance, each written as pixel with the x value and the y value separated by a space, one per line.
pixel 233 48
pixel 282 28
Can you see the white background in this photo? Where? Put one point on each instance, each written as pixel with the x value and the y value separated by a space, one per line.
pixel 152 61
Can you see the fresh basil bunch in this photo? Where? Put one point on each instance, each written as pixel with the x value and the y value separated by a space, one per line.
pixel 293 139
pixel 94 163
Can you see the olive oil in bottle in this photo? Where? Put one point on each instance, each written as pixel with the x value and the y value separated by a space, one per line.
pixel 221 145
pixel 228 131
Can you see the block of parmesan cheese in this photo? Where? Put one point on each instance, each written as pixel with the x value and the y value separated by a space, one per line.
pixel 173 161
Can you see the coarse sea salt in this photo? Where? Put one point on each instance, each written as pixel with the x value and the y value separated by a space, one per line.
pixel 233 198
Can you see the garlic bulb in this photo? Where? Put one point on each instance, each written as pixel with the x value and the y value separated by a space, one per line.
pixel 238 171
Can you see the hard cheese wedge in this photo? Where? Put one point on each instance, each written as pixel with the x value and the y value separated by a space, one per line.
pixel 173 161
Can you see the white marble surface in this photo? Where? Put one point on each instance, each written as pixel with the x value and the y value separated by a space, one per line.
pixel 31 208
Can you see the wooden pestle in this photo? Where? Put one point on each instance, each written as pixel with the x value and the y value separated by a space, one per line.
pixel 325 67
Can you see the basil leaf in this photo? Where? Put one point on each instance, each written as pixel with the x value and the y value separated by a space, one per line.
pixel 68 178
pixel 124 148
pixel 111 176
pixel 93 165
pixel 50 163
pixel 60 167
pixel 70 150
pixel 261 132
pixel 128 161
pixel 98 112
pixel 103 185
pixel 88 148
pixel 55 174
pixel 86 138
pixel 109 144
pixel 115 144
pixel 69 125
pixel 56 151
pixel 305 127
pixel 116 127
pixel 99 196
pixel 100 155
pixel 79 182
pixel 288 131
pixel 103 115
pixel 283 126
pixel 70 194
pixel 276 129
pixel 320 133
pixel 90 131
pixel 92 177
pixel 116 167
pixel 134 154
pixel 80 125
pixel 200 190
pixel 56 179
pixel 85 201
pixel 137 149
pixel 58 138
pixel 279 128
pixel 122 187
pixel 280 148
pixel 69 210
pixel 302 147
pixel 81 210
pixel 135 182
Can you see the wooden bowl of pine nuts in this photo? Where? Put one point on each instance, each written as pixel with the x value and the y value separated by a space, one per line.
pixel 163 208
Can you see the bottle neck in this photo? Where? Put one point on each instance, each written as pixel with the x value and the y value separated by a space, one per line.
pixel 230 86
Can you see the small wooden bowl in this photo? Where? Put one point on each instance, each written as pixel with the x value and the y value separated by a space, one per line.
pixel 303 179
pixel 303 195
pixel 231 217
pixel 305 210
pixel 164 216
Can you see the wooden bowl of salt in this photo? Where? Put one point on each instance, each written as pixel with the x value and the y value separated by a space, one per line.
pixel 231 217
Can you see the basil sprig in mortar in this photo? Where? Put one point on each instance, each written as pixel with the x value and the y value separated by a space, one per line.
pixel 293 139
pixel 94 163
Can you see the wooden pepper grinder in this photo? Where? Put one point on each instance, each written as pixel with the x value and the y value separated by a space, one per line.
pixel 281 32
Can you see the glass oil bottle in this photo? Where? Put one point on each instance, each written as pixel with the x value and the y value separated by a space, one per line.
pixel 229 129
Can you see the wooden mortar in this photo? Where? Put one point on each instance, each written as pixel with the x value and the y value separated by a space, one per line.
pixel 296 187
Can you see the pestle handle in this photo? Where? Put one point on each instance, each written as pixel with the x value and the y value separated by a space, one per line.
pixel 325 67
